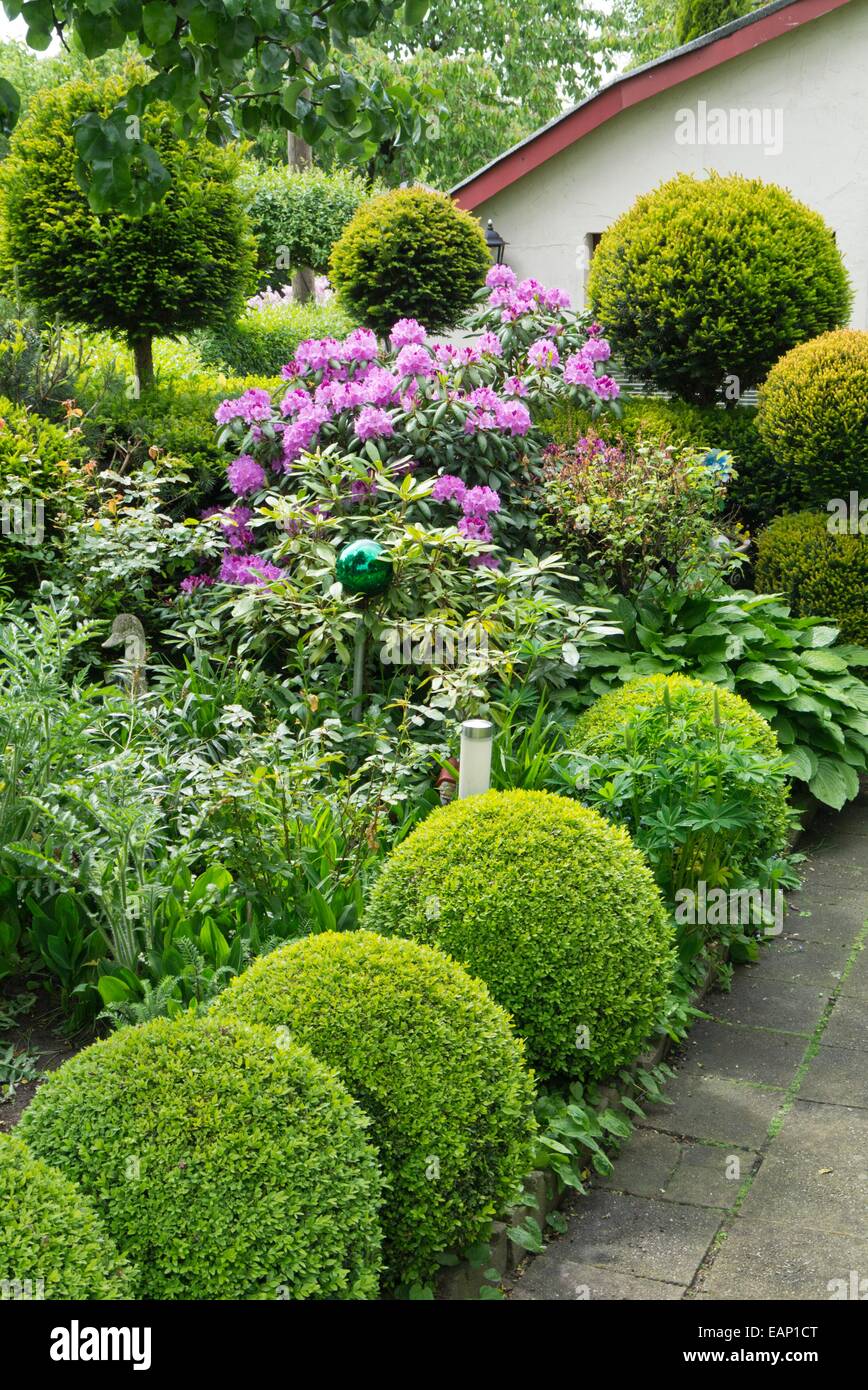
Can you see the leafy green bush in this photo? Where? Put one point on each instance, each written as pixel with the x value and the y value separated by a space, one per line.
pixel 696 17
pixel 186 263
pixel 433 1062
pixel 297 215
pixel 410 253
pixel 265 338
pixel 224 1159
pixel 791 670
pixel 817 570
pixel 813 418
pixel 757 490
pixel 713 278
pixel 693 772
pixel 178 419
pixel 45 486
pixel 625 512
pixel 52 1244
pixel 553 907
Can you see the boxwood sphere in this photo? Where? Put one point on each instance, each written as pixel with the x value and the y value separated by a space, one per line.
pixel 549 904
pixel 813 417
pixel 609 727
pixel 705 278
pixel 225 1160
pixel 820 572
pixel 49 1232
pixel 431 1059
pixel 410 253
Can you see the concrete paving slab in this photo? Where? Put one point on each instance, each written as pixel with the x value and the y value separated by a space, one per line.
pixel 716 1108
pixel 746 1054
pixel 568 1281
pixel 758 1260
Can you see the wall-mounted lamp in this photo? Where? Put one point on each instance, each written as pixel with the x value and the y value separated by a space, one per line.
pixel 496 243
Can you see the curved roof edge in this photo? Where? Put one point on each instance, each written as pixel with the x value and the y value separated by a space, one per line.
pixel 693 59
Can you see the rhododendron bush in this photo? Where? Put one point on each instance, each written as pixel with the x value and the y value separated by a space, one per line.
pixel 466 414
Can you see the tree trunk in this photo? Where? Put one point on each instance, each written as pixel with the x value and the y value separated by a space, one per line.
pixel 143 355
pixel 299 155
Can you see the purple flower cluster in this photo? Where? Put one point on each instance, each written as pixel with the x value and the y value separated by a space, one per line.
pixel 245 475
pixel 515 298
pixel 477 504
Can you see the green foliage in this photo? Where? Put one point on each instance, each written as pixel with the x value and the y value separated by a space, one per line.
pixel 297 215
pixel 410 253
pixel 713 278
pixel 176 417
pixel 256 1183
pixel 692 771
pixel 697 17
pixel 52 1244
pixel 551 906
pixel 264 338
pixel 432 1061
pixel 818 570
pixel 187 263
pixel 791 670
pixel 813 418
pixel 756 489
pixel 625 513
pixel 46 485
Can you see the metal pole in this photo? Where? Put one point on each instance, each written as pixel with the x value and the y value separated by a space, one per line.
pixel 359 651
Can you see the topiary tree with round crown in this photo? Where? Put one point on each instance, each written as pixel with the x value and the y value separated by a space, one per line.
pixel 187 263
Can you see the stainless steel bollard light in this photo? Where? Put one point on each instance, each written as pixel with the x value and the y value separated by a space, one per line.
pixel 474 763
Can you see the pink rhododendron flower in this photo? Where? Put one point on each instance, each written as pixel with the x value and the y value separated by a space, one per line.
pixel 194 582
pixel 543 353
pixel 489 344
pixel 247 569
pixel 414 360
pixel 485 560
pixel 596 350
pixel 359 346
pixel 514 386
pixel 606 388
pixel 406 332
pixel 381 387
pixel 294 401
pixel 254 404
pixel 480 500
pixel 578 371
pixel 500 276
pixel 373 423
pixel 475 528
pixel 513 417
pixel 316 354
pixel 245 475
pixel 448 487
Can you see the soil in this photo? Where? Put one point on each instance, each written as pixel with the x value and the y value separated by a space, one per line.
pixel 37 1031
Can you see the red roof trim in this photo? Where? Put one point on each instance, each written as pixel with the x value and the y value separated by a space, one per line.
pixel 629 91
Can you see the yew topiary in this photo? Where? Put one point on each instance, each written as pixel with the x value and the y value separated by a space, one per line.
pixel 225 1160
pixel 52 1244
pixel 185 264
pixel 549 904
pixel 433 1062
pixel 706 279
pixel 813 418
pixel 410 253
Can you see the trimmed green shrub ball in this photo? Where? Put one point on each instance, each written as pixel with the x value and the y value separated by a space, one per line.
pixel 821 573
pixel 52 1244
pixel 553 907
pixel 225 1160
pixel 410 254
pixel 609 726
pixel 709 278
pixel 433 1062
pixel 813 417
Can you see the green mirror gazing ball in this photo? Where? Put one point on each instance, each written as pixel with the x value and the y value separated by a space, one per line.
pixel 361 568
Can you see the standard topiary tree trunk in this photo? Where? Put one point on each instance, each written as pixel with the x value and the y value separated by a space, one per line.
pixel 299 156
pixel 143 354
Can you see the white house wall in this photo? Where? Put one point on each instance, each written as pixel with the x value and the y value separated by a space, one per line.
pixel 816 77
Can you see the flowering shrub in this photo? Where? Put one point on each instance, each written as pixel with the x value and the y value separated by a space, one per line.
pixel 413 405
pixel 632 511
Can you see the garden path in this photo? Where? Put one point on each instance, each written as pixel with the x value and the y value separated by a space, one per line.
pixel 753 1184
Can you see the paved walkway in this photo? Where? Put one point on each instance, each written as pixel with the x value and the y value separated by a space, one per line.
pixel 754 1183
